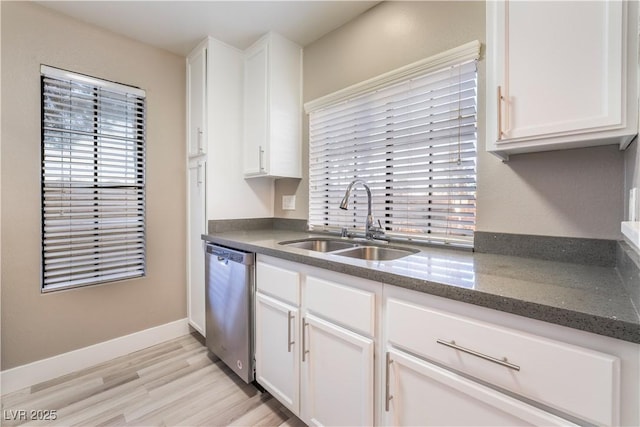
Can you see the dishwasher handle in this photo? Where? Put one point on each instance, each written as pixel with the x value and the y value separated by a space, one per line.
pixel 228 254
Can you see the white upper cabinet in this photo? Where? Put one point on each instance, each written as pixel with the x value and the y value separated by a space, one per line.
pixel 273 108
pixel 196 101
pixel 560 74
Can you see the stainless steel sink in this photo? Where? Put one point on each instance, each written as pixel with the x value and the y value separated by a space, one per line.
pixel 361 250
pixel 377 253
pixel 320 244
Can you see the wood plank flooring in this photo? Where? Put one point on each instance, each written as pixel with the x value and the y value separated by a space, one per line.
pixel 177 383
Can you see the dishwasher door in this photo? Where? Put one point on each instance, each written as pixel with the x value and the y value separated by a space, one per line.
pixel 229 308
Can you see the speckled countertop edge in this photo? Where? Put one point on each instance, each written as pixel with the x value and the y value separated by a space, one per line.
pixel 601 308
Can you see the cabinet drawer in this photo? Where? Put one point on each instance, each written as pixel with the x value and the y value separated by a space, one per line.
pixel 350 307
pixel 278 282
pixel 419 391
pixel 581 382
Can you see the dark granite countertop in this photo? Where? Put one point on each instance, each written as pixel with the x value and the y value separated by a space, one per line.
pixel 589 298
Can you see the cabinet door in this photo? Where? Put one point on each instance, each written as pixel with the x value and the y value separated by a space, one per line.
pixel 277 354
pixel 561 74
pixel 285 106
pixel 420 393
pixel 338 375
pixel 195 245
pixel 196 102
pixel 564 66
pixel 255 110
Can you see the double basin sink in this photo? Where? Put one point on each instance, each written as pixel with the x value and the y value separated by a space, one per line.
pixel 351 249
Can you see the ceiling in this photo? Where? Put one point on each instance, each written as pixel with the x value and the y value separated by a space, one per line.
pixel 178 26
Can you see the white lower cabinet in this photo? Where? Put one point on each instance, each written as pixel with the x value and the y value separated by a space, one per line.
pixel 474 366
pixel 277 355
pixel 337 375
pixel 524 364
pixel 419 393
pixel 315 344
pixel 196 195
pixel 341 350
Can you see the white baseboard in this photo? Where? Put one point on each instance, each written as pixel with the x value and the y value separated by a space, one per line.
pixel 46 369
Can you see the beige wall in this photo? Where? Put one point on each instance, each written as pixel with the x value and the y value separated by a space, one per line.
pixel 35 325
pixel 575 193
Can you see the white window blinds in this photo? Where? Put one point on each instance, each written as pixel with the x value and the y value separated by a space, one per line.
pixel 93 182
pixel 413 142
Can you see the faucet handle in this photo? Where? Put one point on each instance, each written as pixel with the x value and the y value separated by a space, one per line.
pixel 378 233
pixel 378 228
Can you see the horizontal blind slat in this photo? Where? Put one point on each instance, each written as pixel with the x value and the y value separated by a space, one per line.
pixel 428 80
pixel 425 136
pixel 104 278
pixel 446 101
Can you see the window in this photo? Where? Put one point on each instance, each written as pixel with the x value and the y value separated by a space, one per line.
pixel 411 136
pixel 93 181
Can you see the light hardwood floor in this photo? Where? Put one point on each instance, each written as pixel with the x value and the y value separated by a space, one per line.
pixel 177 383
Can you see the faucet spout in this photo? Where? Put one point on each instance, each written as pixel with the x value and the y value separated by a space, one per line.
pixel 344 205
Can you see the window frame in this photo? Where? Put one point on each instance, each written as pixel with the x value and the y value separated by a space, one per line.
pixel 112 107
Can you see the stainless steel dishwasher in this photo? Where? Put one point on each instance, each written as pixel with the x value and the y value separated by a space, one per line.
pixel 229 308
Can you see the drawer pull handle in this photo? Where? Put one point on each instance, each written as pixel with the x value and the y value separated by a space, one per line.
pixel 261 158
pixel 500 99
pixel 387 395
pixel 502 362
pixel 199 175
pixel 199 138
pixel 304 340
pixel 289 342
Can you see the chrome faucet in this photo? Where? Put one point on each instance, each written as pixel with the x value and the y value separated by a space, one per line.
pixel 370 231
